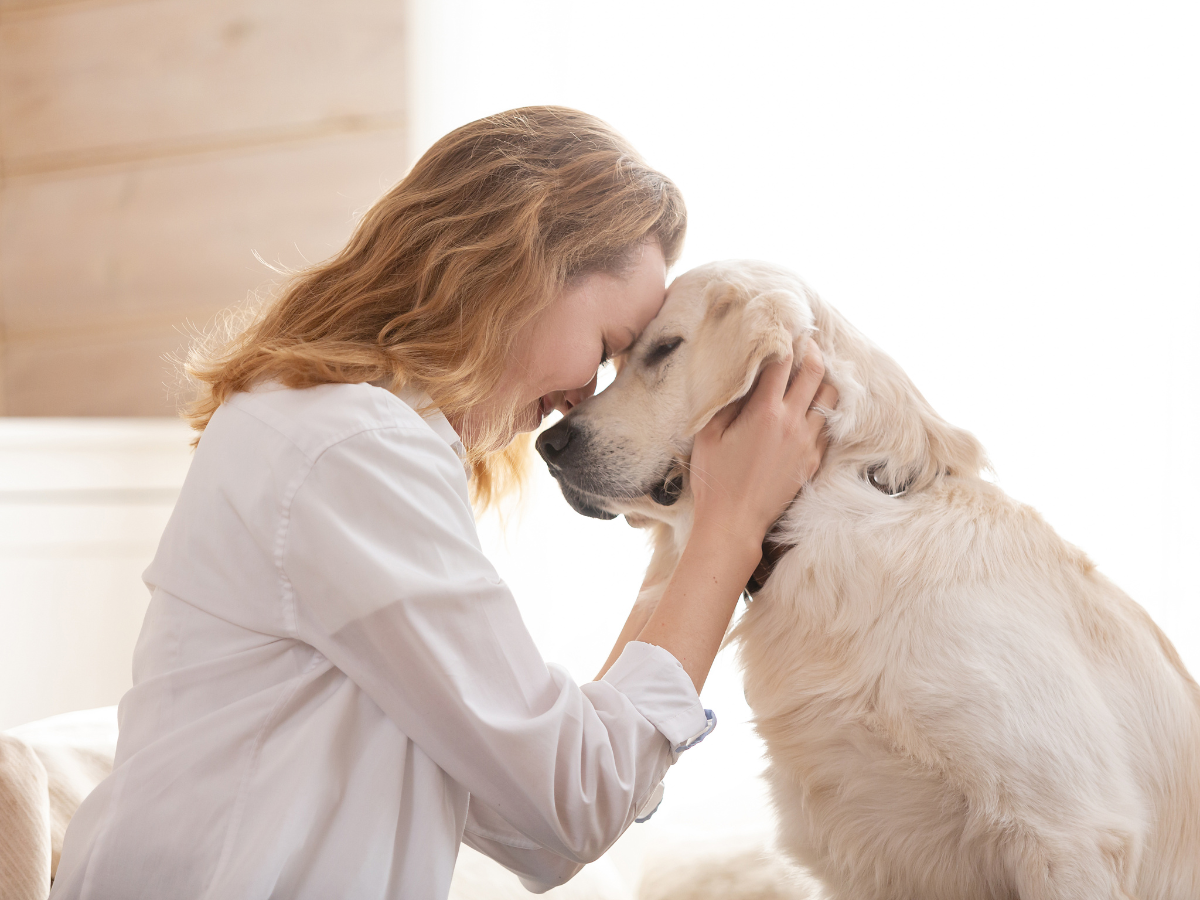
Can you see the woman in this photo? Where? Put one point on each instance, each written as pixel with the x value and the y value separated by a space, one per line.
pixel 332 687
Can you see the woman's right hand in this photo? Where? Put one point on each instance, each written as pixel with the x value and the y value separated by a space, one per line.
pixel 752 458
pixel 748 463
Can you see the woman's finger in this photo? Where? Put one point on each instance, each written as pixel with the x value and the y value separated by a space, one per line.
pixel 825 400
pixel 721 419
pixel 772 383
pixel 808 379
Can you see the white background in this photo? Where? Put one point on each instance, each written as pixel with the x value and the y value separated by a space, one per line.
pixel 1005 197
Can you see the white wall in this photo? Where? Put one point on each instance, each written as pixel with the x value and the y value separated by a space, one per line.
pixel 82 505
pixel 1004 197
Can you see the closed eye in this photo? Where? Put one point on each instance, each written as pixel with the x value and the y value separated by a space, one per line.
pixel 662 350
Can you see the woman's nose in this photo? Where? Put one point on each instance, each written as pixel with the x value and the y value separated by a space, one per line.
pixel 573 398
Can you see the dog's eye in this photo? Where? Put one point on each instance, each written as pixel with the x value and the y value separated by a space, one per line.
pixel 662 350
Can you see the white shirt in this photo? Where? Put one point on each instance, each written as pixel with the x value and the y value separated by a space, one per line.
pixel 332 686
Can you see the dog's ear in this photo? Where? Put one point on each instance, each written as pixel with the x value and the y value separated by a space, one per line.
pixel 882 422
pixel 740 333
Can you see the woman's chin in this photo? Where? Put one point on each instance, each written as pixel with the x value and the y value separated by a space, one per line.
pixel 529 420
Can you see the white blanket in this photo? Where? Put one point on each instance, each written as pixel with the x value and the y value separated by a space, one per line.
pixel 46 769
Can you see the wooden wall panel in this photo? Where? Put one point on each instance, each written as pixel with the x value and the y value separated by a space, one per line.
pixel 176 240
pixel 151 78
pixel 148 148
pixel 121 372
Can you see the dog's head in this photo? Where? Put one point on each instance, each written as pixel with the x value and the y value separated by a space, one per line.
pixel 626 449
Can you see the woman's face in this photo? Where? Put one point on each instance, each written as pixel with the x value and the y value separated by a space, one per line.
pixel 594 319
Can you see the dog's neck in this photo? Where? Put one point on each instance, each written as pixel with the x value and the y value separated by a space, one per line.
pixel 772 552
pixel 669 541
pixel 670 538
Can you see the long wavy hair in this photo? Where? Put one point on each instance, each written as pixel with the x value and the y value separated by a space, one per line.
pixel 448 267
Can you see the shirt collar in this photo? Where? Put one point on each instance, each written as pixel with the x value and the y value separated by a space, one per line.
pixel 422 404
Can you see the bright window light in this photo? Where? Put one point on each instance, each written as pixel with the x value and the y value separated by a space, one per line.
pixel 1006 198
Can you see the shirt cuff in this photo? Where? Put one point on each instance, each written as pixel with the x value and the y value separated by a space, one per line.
pixel 661 690
pixel 651 804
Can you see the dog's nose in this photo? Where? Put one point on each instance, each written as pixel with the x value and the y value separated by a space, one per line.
pixel 552 443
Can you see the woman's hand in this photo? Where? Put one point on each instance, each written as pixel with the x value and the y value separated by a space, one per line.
pixel 752 458
pixel 748 463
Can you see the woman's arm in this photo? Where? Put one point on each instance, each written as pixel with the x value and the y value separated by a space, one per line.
pixel 755 459
pixel 382 573
pixel 658 573
pixel 538 868
pixel 638 617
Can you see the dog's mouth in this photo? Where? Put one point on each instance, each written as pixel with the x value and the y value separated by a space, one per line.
pixel 664 490
pixel 583 502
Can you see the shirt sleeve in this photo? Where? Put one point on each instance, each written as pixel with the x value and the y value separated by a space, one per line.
pixel 538 868
pixel 383 574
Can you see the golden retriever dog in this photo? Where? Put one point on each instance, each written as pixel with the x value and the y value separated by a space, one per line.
pixel 954 701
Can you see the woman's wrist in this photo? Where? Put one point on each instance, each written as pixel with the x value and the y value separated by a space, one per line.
pixel 691 618
pixel 738 547
pixel 638 616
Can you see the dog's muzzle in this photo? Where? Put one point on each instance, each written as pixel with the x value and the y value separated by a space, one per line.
pixel 570 456
pixel 555 447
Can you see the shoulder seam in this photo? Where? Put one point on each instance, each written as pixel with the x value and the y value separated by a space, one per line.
pixel 287 592
pixel 334 441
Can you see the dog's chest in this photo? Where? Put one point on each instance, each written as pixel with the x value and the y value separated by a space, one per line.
pixel 867 575
pixel 813 646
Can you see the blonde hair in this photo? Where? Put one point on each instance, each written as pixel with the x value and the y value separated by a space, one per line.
pixel 448 267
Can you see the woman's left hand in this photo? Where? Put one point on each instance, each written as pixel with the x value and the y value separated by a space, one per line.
pixel 757 455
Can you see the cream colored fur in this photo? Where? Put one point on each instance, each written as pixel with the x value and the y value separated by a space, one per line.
pixel 955 703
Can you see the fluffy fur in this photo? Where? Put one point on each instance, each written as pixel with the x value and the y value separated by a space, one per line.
pixel 955 702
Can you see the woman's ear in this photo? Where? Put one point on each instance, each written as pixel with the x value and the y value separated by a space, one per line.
pixel 739 334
